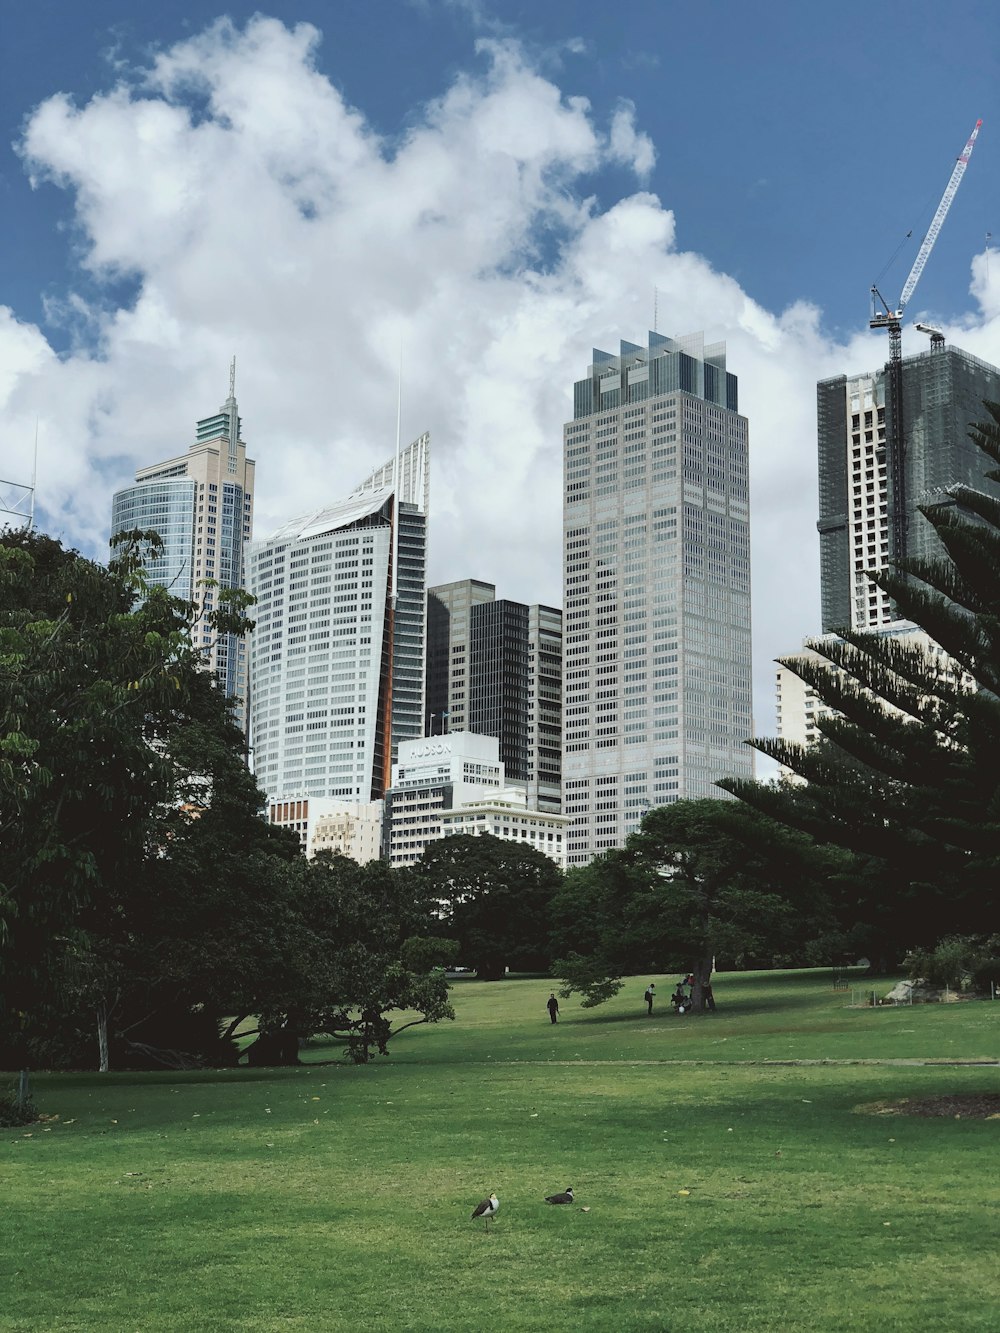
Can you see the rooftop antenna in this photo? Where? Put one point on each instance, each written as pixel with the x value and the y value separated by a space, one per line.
pixel 656 309
pixel 17 499
pixel 234 418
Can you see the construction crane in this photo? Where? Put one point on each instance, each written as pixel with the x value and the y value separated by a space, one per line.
pixel 893 321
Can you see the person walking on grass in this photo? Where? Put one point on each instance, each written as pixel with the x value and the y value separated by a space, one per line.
pixel 649 997
pixel 552 1004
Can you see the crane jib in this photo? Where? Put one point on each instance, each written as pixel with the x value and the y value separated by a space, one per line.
pixel 923 254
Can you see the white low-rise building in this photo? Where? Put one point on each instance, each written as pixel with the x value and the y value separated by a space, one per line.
pixel 445 785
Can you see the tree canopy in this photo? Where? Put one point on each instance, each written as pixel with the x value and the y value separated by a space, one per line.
pixel 493 896
pixel 142 897
pixel 700 880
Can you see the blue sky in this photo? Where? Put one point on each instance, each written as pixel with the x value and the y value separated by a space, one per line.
pixel 495 188
pixel 797 143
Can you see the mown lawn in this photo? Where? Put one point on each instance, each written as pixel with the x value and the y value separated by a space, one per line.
pixel 724 1191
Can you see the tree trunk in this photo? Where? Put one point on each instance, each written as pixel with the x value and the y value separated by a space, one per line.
pixel 274 1048
pixel 490 969
pixel 702 978
pixel 102 1036
pixel 23 1091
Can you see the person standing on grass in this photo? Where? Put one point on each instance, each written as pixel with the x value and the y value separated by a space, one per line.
pixel 552 1004
pixel 649 997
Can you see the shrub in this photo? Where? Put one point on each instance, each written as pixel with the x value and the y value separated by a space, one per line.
pixel 961 962
pixel 14 1112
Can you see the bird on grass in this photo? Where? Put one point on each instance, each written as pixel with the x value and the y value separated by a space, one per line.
pixel 487 1209
pixel 565 1197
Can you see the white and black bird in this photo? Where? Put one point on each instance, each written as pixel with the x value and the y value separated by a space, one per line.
pixel 487 1209
pixel 565 1197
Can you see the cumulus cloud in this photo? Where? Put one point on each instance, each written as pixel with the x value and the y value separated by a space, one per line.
pixel 256 213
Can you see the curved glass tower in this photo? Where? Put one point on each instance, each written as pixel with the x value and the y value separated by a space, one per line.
pixel 201 505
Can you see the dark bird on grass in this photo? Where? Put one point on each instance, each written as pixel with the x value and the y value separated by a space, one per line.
pixel 487 1209
pixel 565 1197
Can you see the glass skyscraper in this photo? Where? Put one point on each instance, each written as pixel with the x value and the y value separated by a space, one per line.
pixel 494 668
pixel 201 505
pixel 656 561
pixel 338 652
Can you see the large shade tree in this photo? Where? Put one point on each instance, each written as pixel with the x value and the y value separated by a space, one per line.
pixel 95 671
pixel 142 897
pixel 357 966
pixel 493 896
pixel 908 771
pixel 700 881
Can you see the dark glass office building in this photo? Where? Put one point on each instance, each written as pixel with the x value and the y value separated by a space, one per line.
pixel 862 493
pixel 494 668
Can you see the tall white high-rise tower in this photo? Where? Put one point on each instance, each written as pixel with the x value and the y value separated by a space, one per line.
pixel 337 656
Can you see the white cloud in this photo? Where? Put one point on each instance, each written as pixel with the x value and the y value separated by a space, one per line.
pixel 261 215
pixel 627 144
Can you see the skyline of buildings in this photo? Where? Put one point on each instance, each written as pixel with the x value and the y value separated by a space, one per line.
pixel 656 561
pixel 639 691
pixel 637 694
pixel 201 505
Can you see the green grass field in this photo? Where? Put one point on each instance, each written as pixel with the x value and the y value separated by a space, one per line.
pixel 727 1189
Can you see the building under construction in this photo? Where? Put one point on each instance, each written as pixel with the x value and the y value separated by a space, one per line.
pixel 868 501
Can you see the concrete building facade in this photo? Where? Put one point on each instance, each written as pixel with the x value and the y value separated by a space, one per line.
pixel 656 560
pixel 350 828
pixel 337 659
pixel 444 785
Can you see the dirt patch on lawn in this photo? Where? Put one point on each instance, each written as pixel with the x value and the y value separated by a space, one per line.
pixel 961 1106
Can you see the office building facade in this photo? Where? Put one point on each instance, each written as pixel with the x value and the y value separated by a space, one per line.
pixel 346 828
pixel 449 634
pixel 338 654
pixel 456 784
pixel 656 560
pixel 495 668
pixel 201 505
pixel 867 500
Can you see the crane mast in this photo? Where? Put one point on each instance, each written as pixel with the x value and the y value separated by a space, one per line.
pixel 892 320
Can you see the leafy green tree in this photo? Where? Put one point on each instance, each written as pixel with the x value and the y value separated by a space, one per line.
pixel 142 897
pixel 699 880
pixel 352 957
pixel 494 897
pixel 908 774
pixel 98 677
